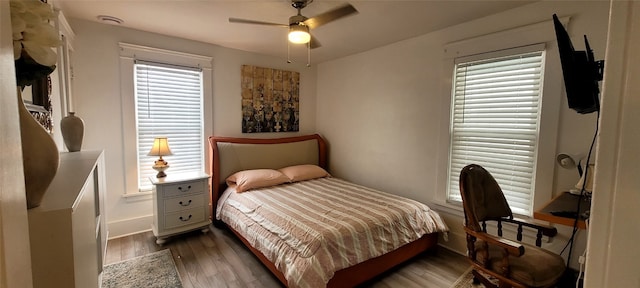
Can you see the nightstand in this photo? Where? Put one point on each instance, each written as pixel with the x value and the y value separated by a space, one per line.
pixel 180 204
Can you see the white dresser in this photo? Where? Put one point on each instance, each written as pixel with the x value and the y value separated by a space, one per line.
pixel 67 231
pixel 180 204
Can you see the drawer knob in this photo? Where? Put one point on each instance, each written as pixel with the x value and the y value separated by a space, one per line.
pixel 185 205
pixel 185 219
pixel 183 189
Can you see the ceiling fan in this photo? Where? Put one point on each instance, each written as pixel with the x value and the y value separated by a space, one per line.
pixel 300 25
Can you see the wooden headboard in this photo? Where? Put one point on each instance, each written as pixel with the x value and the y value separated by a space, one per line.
pixel 229 155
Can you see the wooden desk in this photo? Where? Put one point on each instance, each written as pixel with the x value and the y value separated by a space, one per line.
pixel 563 202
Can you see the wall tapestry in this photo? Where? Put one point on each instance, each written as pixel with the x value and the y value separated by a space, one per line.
pixel 270 100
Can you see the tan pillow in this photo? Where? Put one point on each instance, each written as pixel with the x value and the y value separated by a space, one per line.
pixel 257 178
pixel 304 172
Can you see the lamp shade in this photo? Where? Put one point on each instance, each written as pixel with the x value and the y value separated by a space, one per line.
pixel 588 187
pixel 160 147
pixel 299 34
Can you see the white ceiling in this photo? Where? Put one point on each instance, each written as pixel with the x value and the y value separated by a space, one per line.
pixel 378 23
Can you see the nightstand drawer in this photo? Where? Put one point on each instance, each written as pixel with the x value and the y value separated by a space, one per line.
pixel 184 188
pixel 182 203
pixel 183 218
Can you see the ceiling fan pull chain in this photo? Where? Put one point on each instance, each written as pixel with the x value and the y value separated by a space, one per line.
pixel 309 54
pixel 288 56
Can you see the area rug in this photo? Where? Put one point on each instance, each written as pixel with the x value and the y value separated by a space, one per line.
pixel 466 280
pixel 155 270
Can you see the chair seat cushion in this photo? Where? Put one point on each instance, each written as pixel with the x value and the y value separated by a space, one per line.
pixel 536 268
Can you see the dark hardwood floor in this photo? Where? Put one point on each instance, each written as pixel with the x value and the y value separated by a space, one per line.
pixel 218 259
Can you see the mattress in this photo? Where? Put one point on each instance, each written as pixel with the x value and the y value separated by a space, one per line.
pixel 310 229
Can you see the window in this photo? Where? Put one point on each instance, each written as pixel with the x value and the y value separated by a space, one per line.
pixel 164 94
pixel 169 104
pixel 495 122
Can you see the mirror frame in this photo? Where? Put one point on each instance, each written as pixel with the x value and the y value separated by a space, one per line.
pixel 40 106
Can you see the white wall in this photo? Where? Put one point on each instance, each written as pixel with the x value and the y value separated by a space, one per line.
pixel 382 110
pixel 97 100
pixel 613 255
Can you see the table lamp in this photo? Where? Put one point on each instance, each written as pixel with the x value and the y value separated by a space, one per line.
pixel 160 148
pixel 568 162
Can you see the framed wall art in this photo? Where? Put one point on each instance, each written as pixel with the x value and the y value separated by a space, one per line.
pixel 270 100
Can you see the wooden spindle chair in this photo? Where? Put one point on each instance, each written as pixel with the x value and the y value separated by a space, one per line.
pixel 513 264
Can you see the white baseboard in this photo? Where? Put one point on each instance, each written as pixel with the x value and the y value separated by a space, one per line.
pixel 126 227
pixel 457 242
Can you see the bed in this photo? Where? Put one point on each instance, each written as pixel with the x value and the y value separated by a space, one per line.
pixel 341 251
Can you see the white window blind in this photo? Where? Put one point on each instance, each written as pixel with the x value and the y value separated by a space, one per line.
pixel 168 103
pixel 495 123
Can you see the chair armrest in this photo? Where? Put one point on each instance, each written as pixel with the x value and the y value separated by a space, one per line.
pixel 546 229
pixel 512 247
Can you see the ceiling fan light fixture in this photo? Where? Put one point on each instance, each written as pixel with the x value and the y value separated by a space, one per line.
pixel 299 34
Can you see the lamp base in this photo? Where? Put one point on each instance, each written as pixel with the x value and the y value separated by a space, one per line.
pixel 160 165
pixel 575 191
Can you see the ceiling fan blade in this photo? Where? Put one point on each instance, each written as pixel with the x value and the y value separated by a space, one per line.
pixel 314 43
pixel 330 15
pixel 246 21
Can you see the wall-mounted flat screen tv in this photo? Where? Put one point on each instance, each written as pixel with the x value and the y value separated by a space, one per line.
pixel 580 71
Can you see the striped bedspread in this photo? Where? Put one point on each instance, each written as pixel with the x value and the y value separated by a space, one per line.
pixel 311 229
